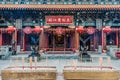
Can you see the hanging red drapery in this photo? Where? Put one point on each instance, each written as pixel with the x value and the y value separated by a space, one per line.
pixel 59 30
pixel 27 30
pixel 37 29
pixel 80 29
pixel 11 29
pixel 90 30
pixel 107 29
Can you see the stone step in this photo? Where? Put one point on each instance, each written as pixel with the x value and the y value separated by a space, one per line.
pixel 59 52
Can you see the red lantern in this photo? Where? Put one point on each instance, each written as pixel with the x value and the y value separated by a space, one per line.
pixel 37 29
pixel 80 29
pixel 10 29
pixel 107 29
pixel 90 30
pixel 59 30
pixel 27 30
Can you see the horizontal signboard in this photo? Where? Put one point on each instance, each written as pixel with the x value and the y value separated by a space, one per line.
pixel 59 19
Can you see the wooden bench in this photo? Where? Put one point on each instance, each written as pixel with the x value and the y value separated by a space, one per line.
pixel 27 73
pixel 90 73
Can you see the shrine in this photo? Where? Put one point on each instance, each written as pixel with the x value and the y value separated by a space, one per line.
pixel 70 39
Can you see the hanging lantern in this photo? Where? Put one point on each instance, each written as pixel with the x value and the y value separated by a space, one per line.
pixel 27 30
pixel 90 30
pixel 59 30
pixel 80 29
pixel 107 29
pixel 11 29
pixel 37 29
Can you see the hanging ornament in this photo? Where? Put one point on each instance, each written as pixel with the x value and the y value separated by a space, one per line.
pixel 80 29
pixel 11 29
pixel 37 29
pixel 107 29
pixel 90 30
pixel 59 30
pixel 27 30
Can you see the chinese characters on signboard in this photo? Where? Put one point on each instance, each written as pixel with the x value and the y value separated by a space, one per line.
pixel 59 19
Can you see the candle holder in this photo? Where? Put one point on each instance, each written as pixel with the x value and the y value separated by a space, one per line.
pixel 23 61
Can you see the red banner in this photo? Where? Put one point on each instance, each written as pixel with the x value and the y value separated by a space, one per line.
pixel 59 19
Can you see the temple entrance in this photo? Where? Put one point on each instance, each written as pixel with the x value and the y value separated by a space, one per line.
pixel 59 41
pixel 62 41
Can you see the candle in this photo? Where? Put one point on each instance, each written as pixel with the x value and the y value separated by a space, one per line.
pixel 109 62
pixel 75 64
pixel 100 62
pixel 30 62
pixel 35 61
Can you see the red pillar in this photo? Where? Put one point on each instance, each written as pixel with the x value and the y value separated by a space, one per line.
pixel 41 40
pixel 95 41
pixel 14 38
pixel 77 39
pixel 105 47
pixel 117 43
pixel 1 38
pixel 91 43
pixel 103 41
pixel 64 43
pixel 53 43
pixel 46 40
pixel 74 40
pixel 119 38
pixel 24 44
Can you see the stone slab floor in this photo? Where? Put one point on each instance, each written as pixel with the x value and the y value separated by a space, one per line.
pixel 60 63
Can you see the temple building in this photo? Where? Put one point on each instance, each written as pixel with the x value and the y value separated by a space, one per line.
pixel 59 39
pixel 64 25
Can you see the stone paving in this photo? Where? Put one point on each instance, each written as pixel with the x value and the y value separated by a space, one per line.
pixel 60 63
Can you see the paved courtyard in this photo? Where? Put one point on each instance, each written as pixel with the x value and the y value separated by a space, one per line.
pixel 60 63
